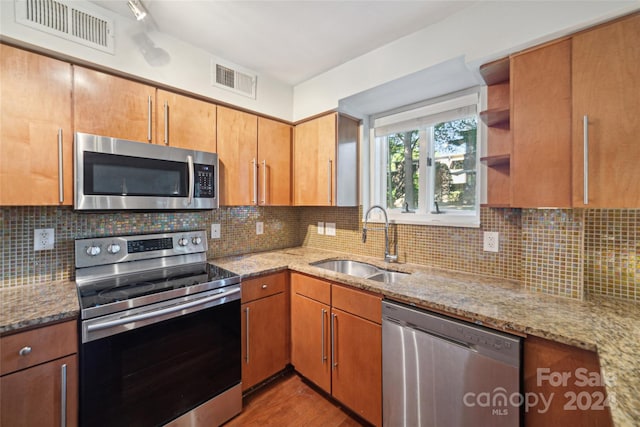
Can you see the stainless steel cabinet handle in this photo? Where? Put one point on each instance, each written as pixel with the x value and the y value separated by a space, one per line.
pixel 254 164
pixel 63 395
pixel 246 314
pixel 333 340
pixel 25 351
pixel 264 182
pixel 191 180
pixel 166 122
pixel 60 168
pixel 323 358
pixel 149 108
pixel 585 127
pixel 329 181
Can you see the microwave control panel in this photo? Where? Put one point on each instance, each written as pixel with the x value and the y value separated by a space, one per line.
pixel 205 184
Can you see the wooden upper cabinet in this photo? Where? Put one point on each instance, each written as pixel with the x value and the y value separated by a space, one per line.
pixel 314 161
pixel 541 127
pixel 185 122
pixel 36 138
pixel 112 106
pixel 606 88
pixel 274 163
pixel 237 153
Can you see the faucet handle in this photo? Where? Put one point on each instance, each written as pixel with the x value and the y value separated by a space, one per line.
pixel 391 258
pixel 364 235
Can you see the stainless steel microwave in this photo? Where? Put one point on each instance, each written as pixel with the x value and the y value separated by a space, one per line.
pixel 116 174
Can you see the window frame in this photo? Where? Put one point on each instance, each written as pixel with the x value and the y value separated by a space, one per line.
pixel 378 168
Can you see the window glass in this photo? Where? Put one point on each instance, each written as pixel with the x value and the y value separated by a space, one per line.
pixel 403 170
pixel 425 162
pixel 454 183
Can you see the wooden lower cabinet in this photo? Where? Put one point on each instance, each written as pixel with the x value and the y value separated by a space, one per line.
pixel 39 382
pixel 336 342
pixel 310 340
pixel 265 333
pixel 34 397
pixel 570 379
pixel 356 377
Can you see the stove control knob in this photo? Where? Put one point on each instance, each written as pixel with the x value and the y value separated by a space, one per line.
pixel 93 250
pixel 113 248
pixel 183 241
pixel 196 240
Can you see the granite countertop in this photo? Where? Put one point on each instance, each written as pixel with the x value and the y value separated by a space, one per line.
pixel 608 326
pixel 23 307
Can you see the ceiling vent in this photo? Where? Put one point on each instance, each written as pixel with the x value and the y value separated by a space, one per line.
pixel 229 77
pixel 60 18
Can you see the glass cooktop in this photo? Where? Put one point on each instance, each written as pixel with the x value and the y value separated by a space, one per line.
pixel 132 286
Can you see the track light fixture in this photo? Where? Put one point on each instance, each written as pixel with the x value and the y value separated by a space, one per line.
pixel 138 9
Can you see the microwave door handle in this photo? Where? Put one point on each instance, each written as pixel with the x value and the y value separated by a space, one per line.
pixel 191 180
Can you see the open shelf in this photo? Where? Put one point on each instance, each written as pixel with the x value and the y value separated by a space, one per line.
pixel 496 71
pixel 499 160
pixel 497 117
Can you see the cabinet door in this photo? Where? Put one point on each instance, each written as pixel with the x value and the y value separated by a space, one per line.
pixel 541 126
pixel 185 122
pixel 274 156
pixel 112 106
pixel 314 162
pixel 569 379
pixel 310 340
pixel 357 365
pixel 264 341
pixel 237 153
pixel 36 396
pixel 606 84
pixel 36 139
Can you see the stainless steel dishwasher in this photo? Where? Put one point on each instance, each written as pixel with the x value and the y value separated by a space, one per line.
pixel 441 372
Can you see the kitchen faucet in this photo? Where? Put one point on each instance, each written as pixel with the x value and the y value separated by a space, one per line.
pixel 387 256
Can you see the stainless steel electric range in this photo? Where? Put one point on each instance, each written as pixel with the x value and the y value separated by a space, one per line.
pixel 160 332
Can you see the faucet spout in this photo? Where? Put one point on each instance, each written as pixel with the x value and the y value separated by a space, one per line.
pixel 387 255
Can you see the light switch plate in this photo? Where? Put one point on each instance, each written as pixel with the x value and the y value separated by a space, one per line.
pixel 43 239
pixel 320 227
pixel 215 231
pixel 491 241
pixel 330 228
pixel 259 227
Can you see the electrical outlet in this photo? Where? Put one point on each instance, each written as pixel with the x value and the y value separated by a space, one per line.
pixel 215 231
pixel 320 227
pixel 330 228
pixel 491 241
pixel 43 239
pixel 259 227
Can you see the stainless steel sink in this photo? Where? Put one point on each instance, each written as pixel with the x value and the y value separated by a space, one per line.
pixel 361 269
pixel 352 268
pixel 388 276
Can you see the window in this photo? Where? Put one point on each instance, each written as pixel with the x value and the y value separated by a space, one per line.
pixel 425 162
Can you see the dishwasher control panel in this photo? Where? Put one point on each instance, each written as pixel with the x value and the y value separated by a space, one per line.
pixel 499 345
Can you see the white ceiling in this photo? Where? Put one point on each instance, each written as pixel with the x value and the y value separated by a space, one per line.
pixel 291 41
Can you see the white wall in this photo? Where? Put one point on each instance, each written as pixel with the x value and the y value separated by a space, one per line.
pixel 481 33
pixel 189 68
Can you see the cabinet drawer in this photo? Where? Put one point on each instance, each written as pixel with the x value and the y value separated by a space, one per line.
pixel 46 343
pixel 360 303
pixel 311 287
pixel 264 286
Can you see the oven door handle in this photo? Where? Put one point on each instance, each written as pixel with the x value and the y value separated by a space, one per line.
pixel 157 313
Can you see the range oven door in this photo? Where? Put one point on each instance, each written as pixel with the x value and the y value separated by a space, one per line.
pixel 150 375
pixel 112 173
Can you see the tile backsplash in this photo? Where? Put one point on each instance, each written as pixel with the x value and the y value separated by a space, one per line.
pixel 21 265
pixel 564 252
